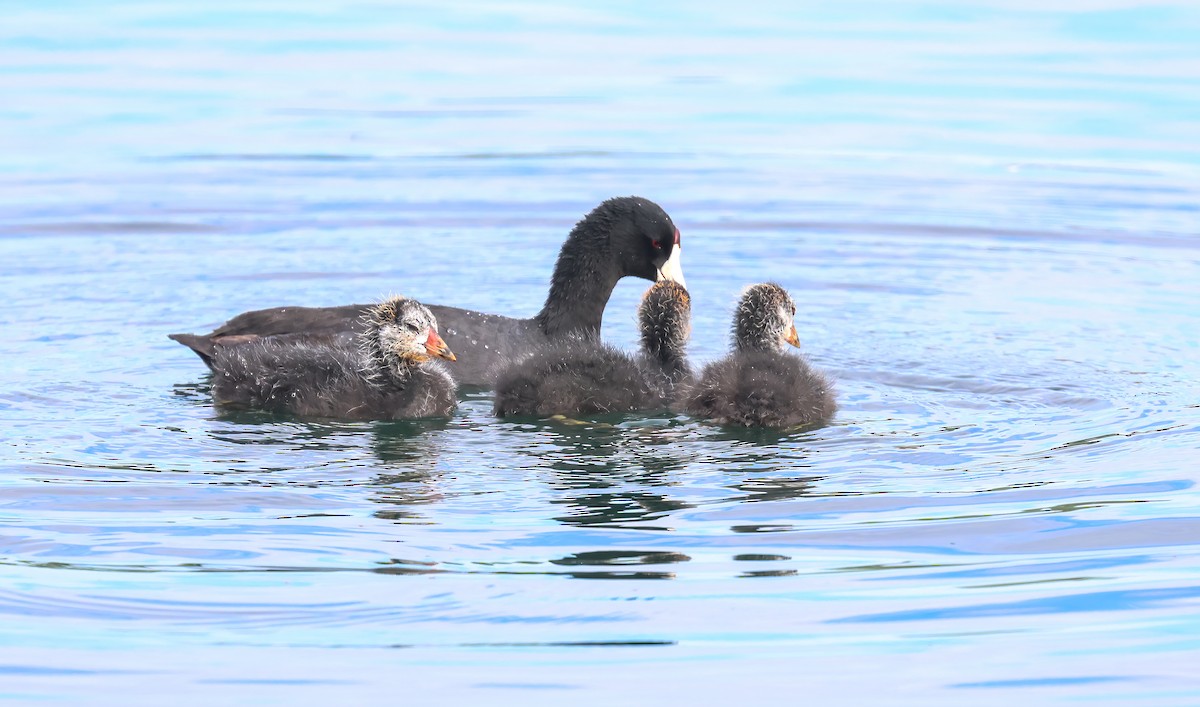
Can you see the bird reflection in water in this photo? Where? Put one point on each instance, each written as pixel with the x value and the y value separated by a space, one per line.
pixel 762 465
pixel 619 558
pixel 408 451
pixel 607 473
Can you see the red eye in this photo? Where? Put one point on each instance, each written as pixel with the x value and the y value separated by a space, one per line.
pixel 657 244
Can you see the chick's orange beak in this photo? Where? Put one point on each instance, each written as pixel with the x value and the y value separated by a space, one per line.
pixel 436 347
pixel 792 337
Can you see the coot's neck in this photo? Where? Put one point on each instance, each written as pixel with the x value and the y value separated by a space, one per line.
pixel 382 366
pixel 583 280
pixel 757 340
pixel 665 354
pixel 675 364
pixel 755 329
pixel 400 371
pixel 754 342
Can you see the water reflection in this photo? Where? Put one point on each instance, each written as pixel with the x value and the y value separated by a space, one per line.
pixel 603 558
pixel 408 445
pixel 406 567
pixel 620 471
pixel 765 557
pixel 195 393
pixel 402 492
pixel 759 489
pixel 618 509
pixel 608 471
pixel 641 449
pixel 409 450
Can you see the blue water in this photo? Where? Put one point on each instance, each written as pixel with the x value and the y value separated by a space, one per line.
pixel 986 211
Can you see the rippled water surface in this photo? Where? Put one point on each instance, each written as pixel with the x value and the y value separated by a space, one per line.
pixel 987 213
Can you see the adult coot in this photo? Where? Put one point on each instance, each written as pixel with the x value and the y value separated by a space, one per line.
pixel 620 237
pixel 577 375
pixel 388 375
pixel 758 384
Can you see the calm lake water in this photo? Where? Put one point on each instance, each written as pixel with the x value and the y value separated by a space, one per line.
pixel 987 213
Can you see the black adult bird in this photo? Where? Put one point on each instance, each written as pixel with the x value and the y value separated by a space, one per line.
pixel 578 375
pixel 758 384
pixel 620 237
pixel 388 375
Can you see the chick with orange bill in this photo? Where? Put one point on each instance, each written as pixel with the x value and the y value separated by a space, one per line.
pixel 759 384
pixel 391 374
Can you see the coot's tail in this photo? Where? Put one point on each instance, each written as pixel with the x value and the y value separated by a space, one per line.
pixel 202 345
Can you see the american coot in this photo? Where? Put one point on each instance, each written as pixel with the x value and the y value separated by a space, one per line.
pixel 758 384
pixel 388 375
pixel 620 237
pixel 582 375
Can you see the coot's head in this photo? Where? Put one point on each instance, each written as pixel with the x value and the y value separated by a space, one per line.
pixel 765 319
pixel 402 332
pixel 665 320
pixel 641 237
pixel 620 237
